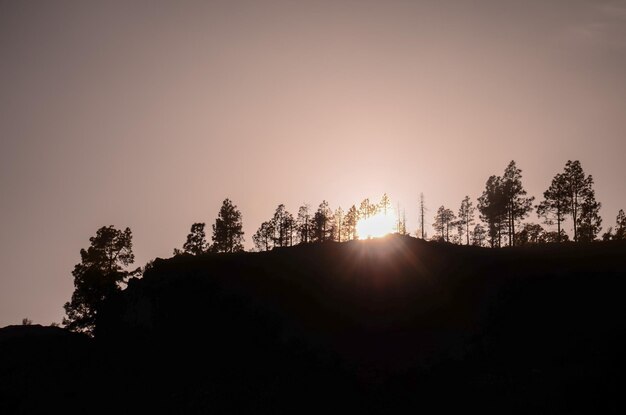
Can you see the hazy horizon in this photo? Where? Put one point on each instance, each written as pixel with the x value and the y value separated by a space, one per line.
pixel 148 115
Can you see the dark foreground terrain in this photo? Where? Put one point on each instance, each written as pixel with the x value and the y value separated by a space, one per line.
pixel 381 326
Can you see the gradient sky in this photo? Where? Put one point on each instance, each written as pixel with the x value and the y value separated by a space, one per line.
pixel 149 114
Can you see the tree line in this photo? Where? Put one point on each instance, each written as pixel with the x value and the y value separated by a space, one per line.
pixel 285 229
pixel 504 204
pixel 501 208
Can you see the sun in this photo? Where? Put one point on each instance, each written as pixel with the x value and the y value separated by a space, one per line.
pixel 376 226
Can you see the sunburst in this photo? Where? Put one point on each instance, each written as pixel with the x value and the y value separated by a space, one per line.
pixel 377 225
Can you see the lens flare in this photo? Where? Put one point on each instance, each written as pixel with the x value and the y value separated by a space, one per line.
pixel 377 225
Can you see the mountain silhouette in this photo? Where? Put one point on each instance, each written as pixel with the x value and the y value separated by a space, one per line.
pixel 372 326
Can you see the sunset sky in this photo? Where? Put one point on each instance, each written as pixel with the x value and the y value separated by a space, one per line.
pixel 149 114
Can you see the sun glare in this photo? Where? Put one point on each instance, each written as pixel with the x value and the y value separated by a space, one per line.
pixel 377 225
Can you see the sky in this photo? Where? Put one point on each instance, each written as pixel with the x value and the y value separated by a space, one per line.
pixel 150 114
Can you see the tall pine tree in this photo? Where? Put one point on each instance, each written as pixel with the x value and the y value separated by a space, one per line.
pixel 304 224
pixel 516 204
pixel 577 187
pixel 322 223
pixel 228 229
pixel 465 218
pixel 102 269
pixel 492 208
pixel 555 206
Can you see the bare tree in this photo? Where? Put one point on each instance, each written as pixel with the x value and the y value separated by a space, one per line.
pixel 422 211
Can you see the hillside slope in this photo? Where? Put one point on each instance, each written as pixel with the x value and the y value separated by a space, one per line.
pixel 371 326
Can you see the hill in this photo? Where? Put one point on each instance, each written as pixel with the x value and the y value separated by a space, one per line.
pixel 370 326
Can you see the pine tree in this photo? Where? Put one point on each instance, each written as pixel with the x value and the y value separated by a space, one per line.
pixel 367 209
pixel 98 276
pixel 577 188
pixel 478 235
pixel 492 208
pixel 283 224
pixel 264 237
pixel 303 224
pixel 289 224
pixel 402 223
pixel 196 243
pixel 338 228
pixel 443 220
pixel 449 219
pixel 349 223
pixel 385 204
pixel 228 229
pixel 516 204
pixel 465 218
pixel 531 233
pixel 422 211
pixel 589 220
pixel 555 205
pixel 322 223
pixel 620 228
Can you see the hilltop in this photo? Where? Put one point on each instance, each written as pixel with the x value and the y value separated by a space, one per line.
pixel 368 326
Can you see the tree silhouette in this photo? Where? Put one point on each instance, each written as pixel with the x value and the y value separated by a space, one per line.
pixel 439 225
pixel 402 222
pixel 589 220
pixel 478 235
pixel 577 189
pixel 366 209
pixel 289 224
pixel 620 229
pixel 442 223
pixel 283 225
pixel 531 233
pixel 491 205
pixel 196 243
pixel 517 205
pixel 422 211
pixel 227 230
pixel 349 223
pixel 264 237
pixel 555 205
pixel 303 224
pixel 98 276
pixel 385 204
pixel 554 237
pixel 338 228
pixel 465 218
pixel 322 223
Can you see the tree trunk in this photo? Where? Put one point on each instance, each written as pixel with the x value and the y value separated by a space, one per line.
pixel 512 229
